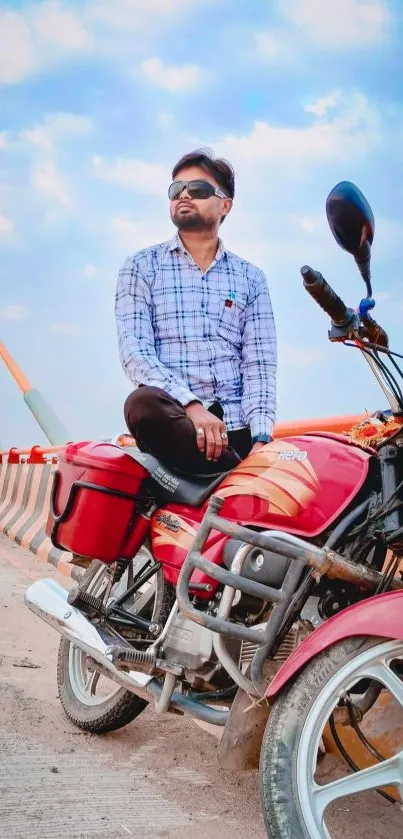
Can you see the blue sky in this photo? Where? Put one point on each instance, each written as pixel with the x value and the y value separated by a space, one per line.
pixel 97 101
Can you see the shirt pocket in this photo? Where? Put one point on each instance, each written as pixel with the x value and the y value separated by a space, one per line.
pixel 230 322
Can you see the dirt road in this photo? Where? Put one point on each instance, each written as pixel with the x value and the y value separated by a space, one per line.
pixel 153 779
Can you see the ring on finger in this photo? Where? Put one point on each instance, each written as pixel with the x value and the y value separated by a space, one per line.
pixel 200 432
pixel 224 435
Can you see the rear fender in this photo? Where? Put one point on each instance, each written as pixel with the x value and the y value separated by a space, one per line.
pixel 380 616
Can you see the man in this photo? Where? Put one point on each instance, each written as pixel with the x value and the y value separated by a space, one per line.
pixel 196 333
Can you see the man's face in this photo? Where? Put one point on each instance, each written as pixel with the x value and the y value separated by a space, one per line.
pixel 198 214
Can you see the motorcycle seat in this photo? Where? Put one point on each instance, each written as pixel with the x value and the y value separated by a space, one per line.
pixel 170 486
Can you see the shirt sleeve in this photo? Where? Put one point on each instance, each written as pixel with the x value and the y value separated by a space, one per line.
pixel 259 358
pixel 136 338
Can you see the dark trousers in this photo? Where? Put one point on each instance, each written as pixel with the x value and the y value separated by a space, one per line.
pixel 160 426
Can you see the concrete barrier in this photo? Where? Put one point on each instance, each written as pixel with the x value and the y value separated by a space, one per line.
pixel 25 487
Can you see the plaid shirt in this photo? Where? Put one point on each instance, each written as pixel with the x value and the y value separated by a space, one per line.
pixel 207 336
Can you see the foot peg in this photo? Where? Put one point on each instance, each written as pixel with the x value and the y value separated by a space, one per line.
pixel 84 601
pixel 125 657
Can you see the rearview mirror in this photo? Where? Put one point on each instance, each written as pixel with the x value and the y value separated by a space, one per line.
pixel 352 223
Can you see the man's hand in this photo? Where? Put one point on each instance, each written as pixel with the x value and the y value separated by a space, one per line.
pixel 211 433
pixel 257 446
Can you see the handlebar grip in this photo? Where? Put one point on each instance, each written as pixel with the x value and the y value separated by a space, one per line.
pixel 324 295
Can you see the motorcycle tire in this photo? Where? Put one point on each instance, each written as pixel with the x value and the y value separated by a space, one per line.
pixel 285 800
pixel 121 706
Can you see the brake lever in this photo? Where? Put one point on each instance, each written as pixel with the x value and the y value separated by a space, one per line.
pixel 373 332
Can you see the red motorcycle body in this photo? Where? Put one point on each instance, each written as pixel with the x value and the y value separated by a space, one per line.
pixel 300 485
pixel 380 616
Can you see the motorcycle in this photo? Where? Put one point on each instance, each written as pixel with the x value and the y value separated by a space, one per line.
pixel 343 679
pixel 200 587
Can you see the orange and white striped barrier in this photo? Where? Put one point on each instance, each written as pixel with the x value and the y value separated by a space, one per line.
pixel 26 478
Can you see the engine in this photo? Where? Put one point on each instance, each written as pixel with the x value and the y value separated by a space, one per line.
pixel 262 566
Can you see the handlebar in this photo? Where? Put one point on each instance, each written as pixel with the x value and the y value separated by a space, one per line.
pixel 324 295
pixel 344 320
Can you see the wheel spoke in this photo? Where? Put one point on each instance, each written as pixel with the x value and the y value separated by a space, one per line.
pixel 82 677
pixel 91 682
pixel 389 772
pixel 143 599
pixel 383 674
pixel 372 662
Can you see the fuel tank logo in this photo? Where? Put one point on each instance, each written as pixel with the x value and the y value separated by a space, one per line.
pixel 173 531
pixel 280 473
pixel 169 522
pixel 292 454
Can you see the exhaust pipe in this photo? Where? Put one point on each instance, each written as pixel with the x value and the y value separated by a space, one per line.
pixel 48 600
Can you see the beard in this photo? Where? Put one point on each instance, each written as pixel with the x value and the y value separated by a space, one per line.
pixel 191 221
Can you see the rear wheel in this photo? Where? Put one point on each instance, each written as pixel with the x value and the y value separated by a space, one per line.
pixel 90 700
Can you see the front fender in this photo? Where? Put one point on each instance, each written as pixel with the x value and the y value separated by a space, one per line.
pixel 380 616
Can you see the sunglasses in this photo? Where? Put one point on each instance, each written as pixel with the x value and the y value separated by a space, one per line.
pixel 195 189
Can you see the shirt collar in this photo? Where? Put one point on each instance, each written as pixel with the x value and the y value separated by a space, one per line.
pixel 176 244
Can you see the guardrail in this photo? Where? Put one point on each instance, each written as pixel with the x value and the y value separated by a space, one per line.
pixel 336 425
pixel 26 477
pixel 36 454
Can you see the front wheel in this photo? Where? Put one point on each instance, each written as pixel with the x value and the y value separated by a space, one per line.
pixel 301 793
pixel 90 700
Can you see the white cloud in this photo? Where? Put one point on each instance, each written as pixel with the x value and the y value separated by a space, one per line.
pixel 64 328
pixel 48 180
pixel 55 126
pixel 47 32
pixel 180 79
pixel 17 59
pixel 165 119
pixel 32 38
pixel 13 312
pixel 60 27
pixel 131 14
pixel 271 45
pixel 353 129
pixel 145 178
pixel 126 232
pixel 308 224
pixel 6 226
pixel 132 235
pixel 321 106
pixel 90 271
pixel 339 24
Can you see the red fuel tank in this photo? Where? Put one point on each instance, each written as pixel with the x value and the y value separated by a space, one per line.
pixel 298 484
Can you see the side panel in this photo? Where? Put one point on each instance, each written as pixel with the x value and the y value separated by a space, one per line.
pixel 173 530
pixel 300 484
pixel 380 616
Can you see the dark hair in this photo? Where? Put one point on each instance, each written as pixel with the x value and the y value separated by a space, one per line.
pixel 220 169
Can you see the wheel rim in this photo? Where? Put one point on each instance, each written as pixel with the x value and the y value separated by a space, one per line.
pixel 314 798
pixel 87 684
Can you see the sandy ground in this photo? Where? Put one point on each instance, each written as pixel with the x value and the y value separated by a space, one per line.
pixel 155 778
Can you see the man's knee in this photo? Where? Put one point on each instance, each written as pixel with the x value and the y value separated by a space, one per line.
pixel 145 404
